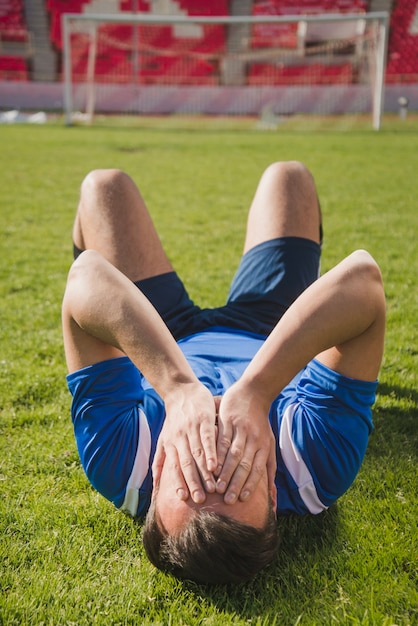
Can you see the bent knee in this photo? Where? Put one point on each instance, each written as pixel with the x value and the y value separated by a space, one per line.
pixel 87 261
pixel 367 265
pixel 84 272
pixel 99 179
pixel 286 169
pixel 368 276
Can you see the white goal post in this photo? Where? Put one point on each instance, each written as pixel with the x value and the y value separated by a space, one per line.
pixel 143 64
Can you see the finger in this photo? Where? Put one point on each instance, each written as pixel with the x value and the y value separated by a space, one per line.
pixel 233 460
pixel 191 474
pixel 223 445
pixel 258 470
pixel 208 439
pixel 172 463
pixel 216 466
pixel 238 480
pixel 158 462
pixel 205 434
pixel 271 472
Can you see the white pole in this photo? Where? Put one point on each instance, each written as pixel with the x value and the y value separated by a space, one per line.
pixel 379 90
pixel 68 105
pixel 135 41
pixel 91 63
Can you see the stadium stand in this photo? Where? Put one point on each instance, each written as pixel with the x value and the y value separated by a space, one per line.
pixel 314 74
pixel 14 41
pixel 12 22
pixel 290 37
pixel 172 53
pixel 402 64
pixel 13 68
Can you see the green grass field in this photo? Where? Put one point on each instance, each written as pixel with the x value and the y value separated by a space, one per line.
pixel 68 557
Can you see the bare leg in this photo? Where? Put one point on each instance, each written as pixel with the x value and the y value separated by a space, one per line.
pixel 112 219
pixel 285 205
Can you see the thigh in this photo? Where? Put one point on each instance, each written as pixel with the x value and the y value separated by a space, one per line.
pixel 270 277
pixel 113 219
pixel 285 205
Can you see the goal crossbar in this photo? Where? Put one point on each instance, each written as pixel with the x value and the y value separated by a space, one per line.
pixel 145 18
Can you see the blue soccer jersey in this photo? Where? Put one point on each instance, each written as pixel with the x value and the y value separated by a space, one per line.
pixel 321 421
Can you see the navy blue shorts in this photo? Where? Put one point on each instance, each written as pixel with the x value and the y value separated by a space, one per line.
pixel 269 278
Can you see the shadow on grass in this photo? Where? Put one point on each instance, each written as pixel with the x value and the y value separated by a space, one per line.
pixel 396 423
pixel 307 546
pixel 397 393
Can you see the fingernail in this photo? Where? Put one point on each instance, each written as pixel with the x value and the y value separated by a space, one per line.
pixel 210 486
pixel 198 497
pixel 244 495
pixel 220 486
pixel 230 498
pixel 182 494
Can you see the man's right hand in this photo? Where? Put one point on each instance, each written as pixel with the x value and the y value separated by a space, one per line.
pixel 187 441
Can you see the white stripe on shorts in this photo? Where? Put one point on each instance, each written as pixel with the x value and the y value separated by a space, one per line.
pixel 296 465
pixel 140 467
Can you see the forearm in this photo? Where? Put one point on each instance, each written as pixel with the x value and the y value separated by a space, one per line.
pixel 107 306
pixel 334 311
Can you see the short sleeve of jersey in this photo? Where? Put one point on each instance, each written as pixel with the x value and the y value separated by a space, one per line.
pixel 115 440
pixel 322 422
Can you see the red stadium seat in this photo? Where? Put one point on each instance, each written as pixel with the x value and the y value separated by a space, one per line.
pixel 12 21
pixel 172 54
pixel 314 74
pixel 402 65
pixel 13 68
pixel 285 36
pixel 13 30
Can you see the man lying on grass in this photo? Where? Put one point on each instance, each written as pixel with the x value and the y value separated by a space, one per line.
pixel 217 419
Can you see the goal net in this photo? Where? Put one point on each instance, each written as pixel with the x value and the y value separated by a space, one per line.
pixel 273 68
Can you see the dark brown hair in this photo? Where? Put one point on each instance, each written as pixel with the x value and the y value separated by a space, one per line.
pixel 211 548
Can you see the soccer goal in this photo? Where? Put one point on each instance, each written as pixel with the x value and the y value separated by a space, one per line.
pixel 274 68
